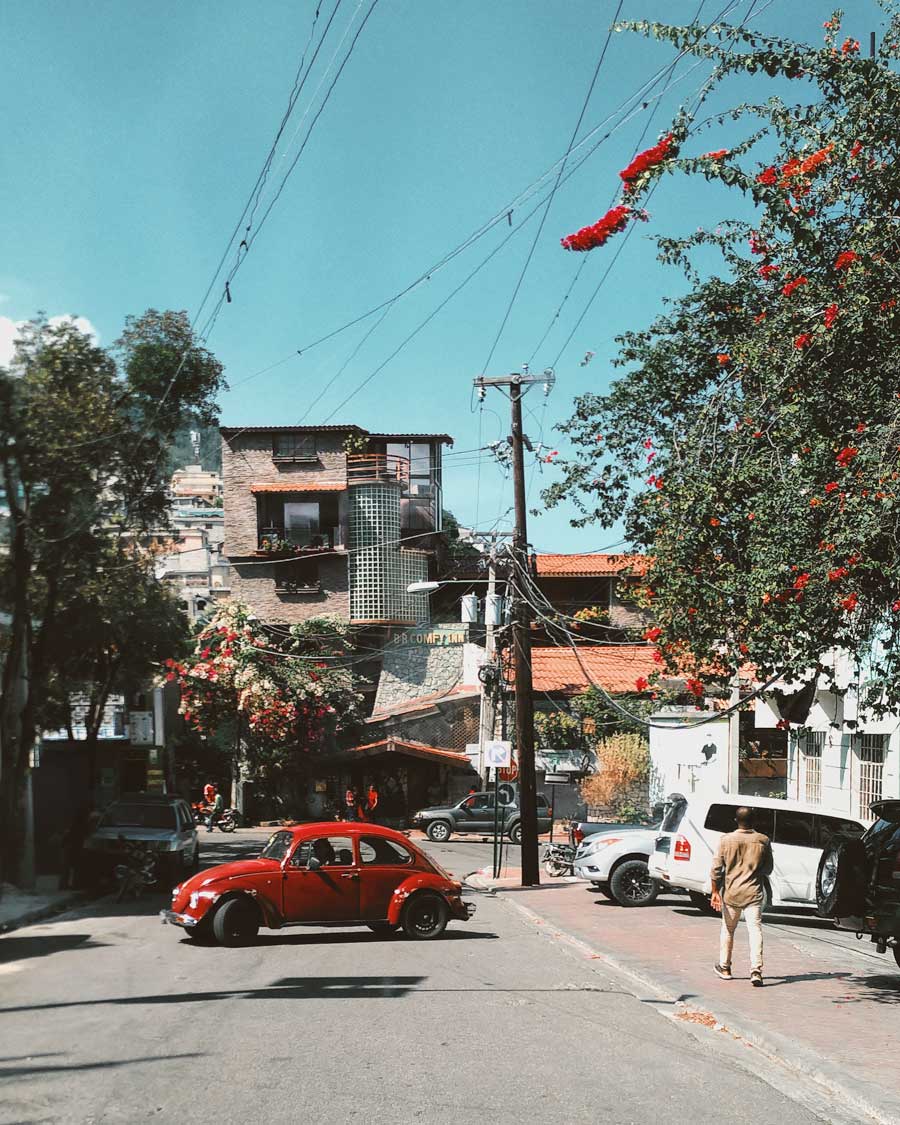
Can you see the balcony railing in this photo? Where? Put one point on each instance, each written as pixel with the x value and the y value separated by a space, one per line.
pixel 277 539
pixel 377 468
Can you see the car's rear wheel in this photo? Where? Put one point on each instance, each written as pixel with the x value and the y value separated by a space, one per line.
pixel 236 922
pixel 439 831
pixel 841 878
pixel 632 885
pixel 701 901
pixel 382 928
pixel 515 834
pixel 425 917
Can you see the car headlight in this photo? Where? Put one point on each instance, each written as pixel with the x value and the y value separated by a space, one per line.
pixel 596 845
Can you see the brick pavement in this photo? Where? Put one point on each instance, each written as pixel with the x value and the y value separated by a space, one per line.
pixel 830 1006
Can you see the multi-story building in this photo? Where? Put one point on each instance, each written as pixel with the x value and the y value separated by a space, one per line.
pixel 331 520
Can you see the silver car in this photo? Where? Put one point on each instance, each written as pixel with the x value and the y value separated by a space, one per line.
pixel 160 821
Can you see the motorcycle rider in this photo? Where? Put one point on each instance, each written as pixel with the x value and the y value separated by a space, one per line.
pixel 216 809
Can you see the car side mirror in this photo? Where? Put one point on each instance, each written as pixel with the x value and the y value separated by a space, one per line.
pixel 314 864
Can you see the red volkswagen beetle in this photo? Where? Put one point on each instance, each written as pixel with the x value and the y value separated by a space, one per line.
pixel 321 874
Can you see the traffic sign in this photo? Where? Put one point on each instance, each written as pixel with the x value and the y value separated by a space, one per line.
pixel 506 794
pixel 497 754
pixel 558 778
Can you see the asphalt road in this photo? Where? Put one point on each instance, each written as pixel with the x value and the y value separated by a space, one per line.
pixel 108 1016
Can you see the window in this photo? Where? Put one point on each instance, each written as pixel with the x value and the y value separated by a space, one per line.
pixel 297 576
pixel 277 846
pixel 811 744
pixel 480 801
pixel 869 754
pixel 330 851
pixel 796 828
pixel 384 853
pixel 720 818
pixel 135 815
pixel 301 524
pixel 542 802
pixel 828 826
pixel 674 813
pixel 294 447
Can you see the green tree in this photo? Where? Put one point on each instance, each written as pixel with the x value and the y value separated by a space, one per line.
pixel 751 444
pixel 84 433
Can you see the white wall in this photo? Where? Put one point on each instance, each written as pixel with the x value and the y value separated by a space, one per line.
pixel 687 759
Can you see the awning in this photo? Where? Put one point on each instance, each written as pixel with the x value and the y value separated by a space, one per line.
pixel 296 486
pixel 406 749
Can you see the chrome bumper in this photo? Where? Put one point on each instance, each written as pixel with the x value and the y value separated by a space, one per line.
pixel 184 920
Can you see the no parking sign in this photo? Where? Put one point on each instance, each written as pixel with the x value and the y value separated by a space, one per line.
pixel 497 754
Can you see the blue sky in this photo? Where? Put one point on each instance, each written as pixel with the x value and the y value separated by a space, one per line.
pixel 134 134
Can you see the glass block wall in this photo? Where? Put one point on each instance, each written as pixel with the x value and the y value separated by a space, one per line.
pixel 379 570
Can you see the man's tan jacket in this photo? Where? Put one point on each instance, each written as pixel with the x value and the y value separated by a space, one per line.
pixel 742 861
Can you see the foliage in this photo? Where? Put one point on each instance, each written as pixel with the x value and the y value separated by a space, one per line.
pixel 592 614
pixel 290 689
pixel 355 443
pixel 752 444
pixel 557 730
pixel 181 451
pixel 623 763
pixel 84 436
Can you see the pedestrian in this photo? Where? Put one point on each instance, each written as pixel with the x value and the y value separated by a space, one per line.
pixel 742 861
pixel 372 803
pixel 473 789
pixel 209 792
pixel 216 809
pixel 350 803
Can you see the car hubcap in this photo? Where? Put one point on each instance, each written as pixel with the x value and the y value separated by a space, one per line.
pixel 638 887
pixel 440 833
pixel 425 920
pixel 829 875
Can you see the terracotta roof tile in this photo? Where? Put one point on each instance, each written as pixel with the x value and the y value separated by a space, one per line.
pixel 590 566
pixel 615 667
pixel 416 749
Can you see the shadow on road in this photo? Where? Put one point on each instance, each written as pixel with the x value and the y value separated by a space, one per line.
pixel 56 1068
pixel 20 948
pixel 353 937
pixel 881 990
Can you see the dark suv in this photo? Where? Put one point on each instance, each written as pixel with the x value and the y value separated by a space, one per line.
pixel 476 814
pixel 858 882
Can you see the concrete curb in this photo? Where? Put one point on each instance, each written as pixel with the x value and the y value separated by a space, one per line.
pixel 777 1048
pixel 48 910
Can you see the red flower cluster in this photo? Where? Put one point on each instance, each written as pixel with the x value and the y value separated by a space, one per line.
pixel 801 581
pixel 757 246
pixel 803 341
pixel 850 602
pixel 767 271
pixel 857 148
pixel 723 358
pixel 717 155
pixel 831 486
pixel 793 284
pixel 768 176
pixel 812 162
pixel 588 238
pixel 845 260
pixel 846 455
pixel 695 687
pixel 647 159
pixel 831 314
pixel 653 634
pixel 838 573
pixel 642 683
pixel 850 47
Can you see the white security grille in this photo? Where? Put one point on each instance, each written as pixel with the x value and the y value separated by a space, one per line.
pixel 869 752
pixel 812 744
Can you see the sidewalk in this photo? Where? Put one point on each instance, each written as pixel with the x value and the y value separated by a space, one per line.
pixel 24 908
pixel 829 1008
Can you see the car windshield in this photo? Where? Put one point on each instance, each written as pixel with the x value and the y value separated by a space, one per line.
pixel 277 846
pixel 134 815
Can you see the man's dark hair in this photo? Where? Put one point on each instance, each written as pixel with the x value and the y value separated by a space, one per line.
pixel 744 817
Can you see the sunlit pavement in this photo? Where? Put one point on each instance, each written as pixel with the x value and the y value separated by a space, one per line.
pixel 110 1017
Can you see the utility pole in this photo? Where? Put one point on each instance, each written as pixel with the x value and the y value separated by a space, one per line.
pixel 521 624
pixel 487 716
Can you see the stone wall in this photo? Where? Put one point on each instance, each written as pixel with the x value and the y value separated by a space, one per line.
pixel 254 584
pixel 411 671
pixel 451 724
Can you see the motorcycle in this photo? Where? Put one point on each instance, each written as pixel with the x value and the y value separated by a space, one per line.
pixel 559 859
pixel 136 872
pixel 227 822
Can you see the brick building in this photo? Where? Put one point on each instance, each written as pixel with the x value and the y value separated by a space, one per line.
pixel 331 520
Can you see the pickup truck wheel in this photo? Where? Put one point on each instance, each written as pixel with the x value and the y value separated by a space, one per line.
pixel 439 831
pixel 515 834
pixel 236 922
pixel 631 884
pixel 425 916
pixel 701 901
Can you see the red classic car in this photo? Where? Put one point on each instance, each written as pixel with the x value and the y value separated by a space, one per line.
pixel 319 874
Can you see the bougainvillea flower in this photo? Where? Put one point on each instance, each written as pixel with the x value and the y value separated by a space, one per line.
pixel 767 271
pixel 653 634
pixel 695 687
pixel 831 314
pixel 616 219
pixel 801 581
pixel 850 47
pixel 895 607
pixel 717 155
pixel 845 260
pixel 642 683
pixel 838 573
pixel 860 427
pixel 648 159
pixel 760 317
pixel 793 284
pixel 767 176
pixel 857 148
pixel 723 358
pixel 850 602
pixel 846 455
pixel 812 162
pixel 803 340
pixel 831 486
pixel 714 522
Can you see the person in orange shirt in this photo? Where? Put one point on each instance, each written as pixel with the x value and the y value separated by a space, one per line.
pixel 372 803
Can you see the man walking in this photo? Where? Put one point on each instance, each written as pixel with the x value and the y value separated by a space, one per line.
pixel 742 861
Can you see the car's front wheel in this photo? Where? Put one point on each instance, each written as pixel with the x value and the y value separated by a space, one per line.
pixel 439 831
pixel 631 884
pixel 236 922
pixel 425 917
pixel 515 834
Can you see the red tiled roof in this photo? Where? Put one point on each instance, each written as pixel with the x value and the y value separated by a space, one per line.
pixel 286 486
pixel 424 703
pixel 590 566
pixel 614 667
pixel 413 749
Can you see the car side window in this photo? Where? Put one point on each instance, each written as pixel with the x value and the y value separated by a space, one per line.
pixel 187 821
pixel 542 801
pixel 720 818
pixel 383 853
pixel 483 801
pixel 796 828
pixel 829 826
pixel 330 851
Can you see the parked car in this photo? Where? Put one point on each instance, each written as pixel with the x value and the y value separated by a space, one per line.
pixel 475 813
pixel 858 881
pixel 692 827
pixel 579 830
pixel 615 861
pixel 160 821
pixel 355 874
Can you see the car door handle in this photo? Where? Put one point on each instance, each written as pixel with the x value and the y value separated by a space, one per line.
pixel 350 875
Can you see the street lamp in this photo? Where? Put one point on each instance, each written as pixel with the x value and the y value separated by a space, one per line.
pixel 423 587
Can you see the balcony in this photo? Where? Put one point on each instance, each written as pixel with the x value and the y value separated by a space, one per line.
pixel 276 539
pixel 377 468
